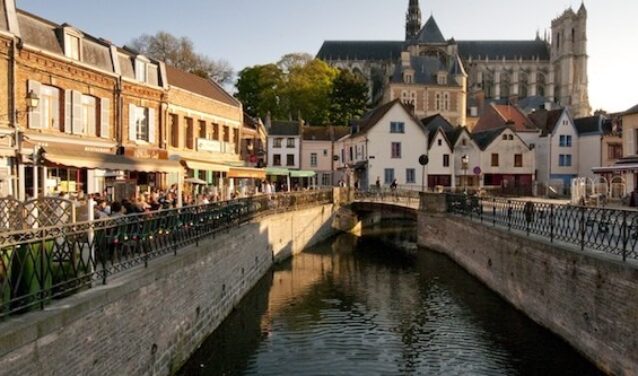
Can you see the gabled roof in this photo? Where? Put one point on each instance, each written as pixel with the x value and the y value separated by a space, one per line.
pixel 199 85
pixel 545 120
pixel 284 128
pixel 454 135
pixel 497 116
pixel 430 33
pixel 435 123
pixel 485 138
pixel 371 118
pixel 589 125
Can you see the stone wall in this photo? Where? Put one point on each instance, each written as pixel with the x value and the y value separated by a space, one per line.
pixel 587 299
pixel 148 321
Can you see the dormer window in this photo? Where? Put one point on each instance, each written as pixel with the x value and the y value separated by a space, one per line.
pixel 141 69
pixel 72 43
pixel 441 78
pixel 407 78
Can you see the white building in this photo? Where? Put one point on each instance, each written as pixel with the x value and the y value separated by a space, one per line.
pixel 318 151
pixel 284 145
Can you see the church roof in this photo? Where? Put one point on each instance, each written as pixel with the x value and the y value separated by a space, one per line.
pixel 430 33
pixel 391 50
pixel 508 49
pixel 425 70
pixel 364 50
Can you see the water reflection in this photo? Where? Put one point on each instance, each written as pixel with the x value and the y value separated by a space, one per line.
pixel 372 305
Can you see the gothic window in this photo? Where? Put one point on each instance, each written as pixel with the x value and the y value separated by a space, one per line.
pixel 438 102
pixel 446 102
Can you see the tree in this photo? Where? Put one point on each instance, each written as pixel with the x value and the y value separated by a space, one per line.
pixel 349 97
pixel 294 60
pixel 308 91
pixel 260 89
pixel 180 53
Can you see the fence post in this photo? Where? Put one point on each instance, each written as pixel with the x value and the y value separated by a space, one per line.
pixel 509 214
pixel 582 228
pixel 625 237
pixel 551 223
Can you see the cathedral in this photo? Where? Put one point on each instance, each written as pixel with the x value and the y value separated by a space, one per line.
pixel 457 79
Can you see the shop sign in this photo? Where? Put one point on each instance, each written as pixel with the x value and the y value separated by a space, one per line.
pixel 209 145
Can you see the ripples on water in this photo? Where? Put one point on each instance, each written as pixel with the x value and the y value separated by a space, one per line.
pixel 375 306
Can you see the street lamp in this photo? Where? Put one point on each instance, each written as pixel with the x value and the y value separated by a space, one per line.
pixel 465 160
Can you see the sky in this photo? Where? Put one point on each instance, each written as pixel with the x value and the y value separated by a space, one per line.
pixel 250 32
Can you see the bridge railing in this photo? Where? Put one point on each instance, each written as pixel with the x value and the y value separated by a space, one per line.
pixel 399 196
pixel 42 264
pixel 609 231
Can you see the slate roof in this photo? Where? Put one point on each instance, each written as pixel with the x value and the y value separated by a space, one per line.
pixel 317 133
pixel 199 85
pixel 425 70
pixel 284 128
pixel 364 50
pixel 545 120
pixel 485 138
pixel 391 50
pixel 589 125
pixel 437 122
pixel 372 117
pixel 430 33
pixel 633 110
pixel 510 49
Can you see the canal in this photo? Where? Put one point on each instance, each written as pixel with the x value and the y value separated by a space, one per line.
pixel 377 306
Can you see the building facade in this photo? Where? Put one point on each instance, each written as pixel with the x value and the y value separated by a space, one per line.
pixel 548 69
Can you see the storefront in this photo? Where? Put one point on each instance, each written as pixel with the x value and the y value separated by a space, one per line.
pixel 279 177
pixel 246 180
pixel 303 179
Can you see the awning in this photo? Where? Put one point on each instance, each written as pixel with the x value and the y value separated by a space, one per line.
pixel 277 171
pixel 247 172
pixel 195 181
pixel 204 165
pixel 302 174
pixel 93 160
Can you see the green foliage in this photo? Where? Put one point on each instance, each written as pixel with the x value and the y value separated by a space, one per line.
pixel 348 99
pixel 300 87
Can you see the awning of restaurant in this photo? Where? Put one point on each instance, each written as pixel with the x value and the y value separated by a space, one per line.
pixel 94 160
pixel 277 171
pixel 204 165
pixel 246 172
pixel 302 174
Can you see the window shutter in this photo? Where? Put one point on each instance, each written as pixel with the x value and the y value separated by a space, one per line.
pixel 68 111
pixel 56 111
pixel 77 121
pixel 35 117
pixel 105 112
pixel 151 125
pixel 91 127
pixel 131 122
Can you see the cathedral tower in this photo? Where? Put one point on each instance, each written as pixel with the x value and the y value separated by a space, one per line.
pixel 413 20
pixel 569 61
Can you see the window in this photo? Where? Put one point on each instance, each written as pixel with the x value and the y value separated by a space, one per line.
pixel 439 142
pixel 215 131
pixel 565 141
pixel 49 108
pixel 140 70
pixel 313 159
pixel 276 143
pixel 397 127
pixel 495 160
pixel 89 116
pixel 226 134
pixel 438 102
pixel 464 142
pixel 276 160
pixel 141 124
pixel 446 102
pixel 614 151
pixel 410 176
pixel 510 137
pixel 325 152
pixel 235 135
pixel 326 180
pixel 396 150
pixel 388 175
pixel 290 143
pixel 565 160
pixel 72 46
pixel 446 160
pixel 189 133
pixel 518 160
pixel 290 160
pixel 505 137
pixel 202 129
pixel 351 154
pixel 174 141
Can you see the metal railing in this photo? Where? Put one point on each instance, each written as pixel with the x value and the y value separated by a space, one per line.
pixel 43 264
pixel 609 231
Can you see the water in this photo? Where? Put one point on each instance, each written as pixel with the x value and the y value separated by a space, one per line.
pixel 376 306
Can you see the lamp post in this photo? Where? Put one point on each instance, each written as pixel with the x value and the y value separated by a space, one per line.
pixel 465 160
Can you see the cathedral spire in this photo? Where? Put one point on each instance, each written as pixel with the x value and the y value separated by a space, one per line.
pixel 413 20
